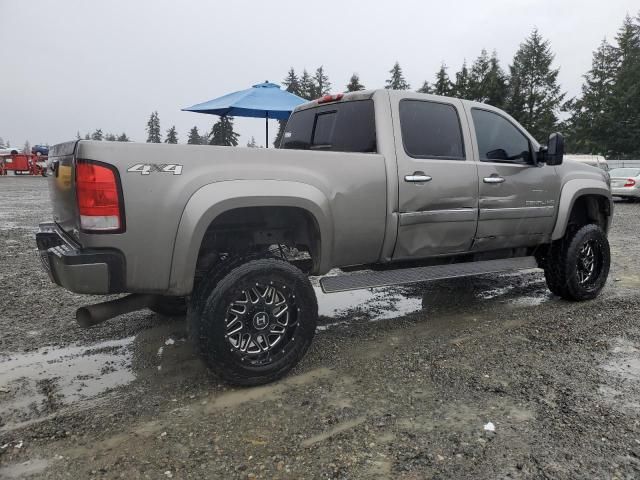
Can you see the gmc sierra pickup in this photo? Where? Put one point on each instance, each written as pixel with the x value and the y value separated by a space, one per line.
pixel 392 187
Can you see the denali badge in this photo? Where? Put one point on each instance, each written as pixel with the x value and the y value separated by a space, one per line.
pixel 147 168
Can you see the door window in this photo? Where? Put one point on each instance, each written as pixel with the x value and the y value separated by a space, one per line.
pixel 498 139
pixel 431 130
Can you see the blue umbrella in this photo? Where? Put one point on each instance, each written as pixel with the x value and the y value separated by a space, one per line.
pixel 264 100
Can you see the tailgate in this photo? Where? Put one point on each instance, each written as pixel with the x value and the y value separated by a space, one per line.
pixel 62 186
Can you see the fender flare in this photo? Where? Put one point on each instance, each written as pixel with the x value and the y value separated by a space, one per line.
pixel 211 200
pixel 571 191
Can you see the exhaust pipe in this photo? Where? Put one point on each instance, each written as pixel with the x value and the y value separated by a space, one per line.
pixel 94 314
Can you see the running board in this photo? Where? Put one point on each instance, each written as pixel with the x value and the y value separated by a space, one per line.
pixel 385 278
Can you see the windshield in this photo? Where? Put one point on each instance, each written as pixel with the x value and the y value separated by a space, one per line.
pixel 625 172
pixel 336 127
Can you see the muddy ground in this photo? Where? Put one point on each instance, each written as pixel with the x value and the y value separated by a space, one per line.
pixel 400 383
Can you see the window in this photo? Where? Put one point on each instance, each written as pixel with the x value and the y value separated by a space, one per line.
pixel 431 130
pixel 338 127
pixel 498 139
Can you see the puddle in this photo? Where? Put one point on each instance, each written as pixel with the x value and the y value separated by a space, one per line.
pixel 37 384
pixel 622 385
pixel 372 304
pixel 20 470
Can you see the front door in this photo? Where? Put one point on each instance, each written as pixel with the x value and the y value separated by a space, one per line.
pixel 438 182
pixel 518 199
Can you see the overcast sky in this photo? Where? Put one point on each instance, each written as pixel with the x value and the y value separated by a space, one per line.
pixel 78 65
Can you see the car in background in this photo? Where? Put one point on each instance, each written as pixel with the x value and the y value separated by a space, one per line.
pixel 5 150
pixel 40 150
pixel 625 183
pixel 593 160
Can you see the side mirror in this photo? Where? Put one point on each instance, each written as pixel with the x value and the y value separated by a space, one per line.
pixel 555 149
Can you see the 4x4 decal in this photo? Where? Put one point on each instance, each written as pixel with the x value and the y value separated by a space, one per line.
pixel 147 168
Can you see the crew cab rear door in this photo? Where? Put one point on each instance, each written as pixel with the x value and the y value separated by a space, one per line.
pixel 438 182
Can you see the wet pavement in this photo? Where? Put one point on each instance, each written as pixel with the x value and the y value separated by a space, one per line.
pixel 400 382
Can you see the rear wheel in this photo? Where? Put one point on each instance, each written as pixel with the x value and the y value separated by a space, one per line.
pixel 577 266
pixel 256 321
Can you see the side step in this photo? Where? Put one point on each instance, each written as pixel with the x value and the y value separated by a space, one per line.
pixel 355 281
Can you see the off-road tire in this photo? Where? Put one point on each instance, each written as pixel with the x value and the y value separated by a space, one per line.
pixel 170 306
pixel 562 264
pixel 210 308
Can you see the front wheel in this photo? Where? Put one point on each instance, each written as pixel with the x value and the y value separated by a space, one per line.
pixel 256 322
pixel 577 266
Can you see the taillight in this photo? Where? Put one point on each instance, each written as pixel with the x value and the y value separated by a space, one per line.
pixel 330 98
pixel 630 182
pixel 98 196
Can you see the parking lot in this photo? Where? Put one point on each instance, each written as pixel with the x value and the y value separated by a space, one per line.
pixel 488 377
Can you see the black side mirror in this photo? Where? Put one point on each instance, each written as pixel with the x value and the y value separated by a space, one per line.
pixel 555 149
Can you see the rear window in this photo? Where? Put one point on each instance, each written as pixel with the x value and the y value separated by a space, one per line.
pixel 336 127
pixel 431 130
pixel 625 172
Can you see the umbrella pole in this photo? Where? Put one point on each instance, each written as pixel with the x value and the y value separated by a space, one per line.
pixel 266 125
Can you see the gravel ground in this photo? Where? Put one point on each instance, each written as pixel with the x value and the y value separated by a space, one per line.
pixel 490 377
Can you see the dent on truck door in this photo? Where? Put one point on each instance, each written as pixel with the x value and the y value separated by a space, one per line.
pixel 438 186
pixel 517 198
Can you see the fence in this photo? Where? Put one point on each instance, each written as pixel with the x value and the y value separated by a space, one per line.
pixel 623 163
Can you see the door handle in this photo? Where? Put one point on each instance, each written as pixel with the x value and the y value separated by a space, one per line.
pixel 417 177
pixel 493 179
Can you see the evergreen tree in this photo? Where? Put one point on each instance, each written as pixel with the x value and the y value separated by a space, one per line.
pixel 590 127
pixel 487 80
pixel 462 86
pixel 443 85
pixel 153 128
pixel 626 92
pixel 252 143
pixel 425 88
pixel 354 84
pixel 97 134
pixel 123 138
pixel 397 80
pixel 194 137
pixel 307 87
pixel 110 137
pixel 534 97
pixel 321 85
pixel 292 82
pixel 222 133
pixel 172 135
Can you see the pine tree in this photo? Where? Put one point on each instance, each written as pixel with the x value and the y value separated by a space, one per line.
pixel 321 85
pixel 307 87
pixel 194 137
pixel 534 97
pixel 172 135
pixel 397 80
pixel 97 134
pixel 354 84
pixel 462 86
pixel 110 137
pixel 153 129
pixel 443 85
pixel 123 138
pixel 425 88
pixel 292 82
pixel 222 133
pixel 252 143
pixel 626 92
pixel 487 80
pixel 590 127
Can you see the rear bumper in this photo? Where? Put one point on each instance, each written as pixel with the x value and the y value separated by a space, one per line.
pixel 629 192
pixel 76 269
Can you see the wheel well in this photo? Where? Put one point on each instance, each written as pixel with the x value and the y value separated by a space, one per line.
pixel 251 229
pixel 590 209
